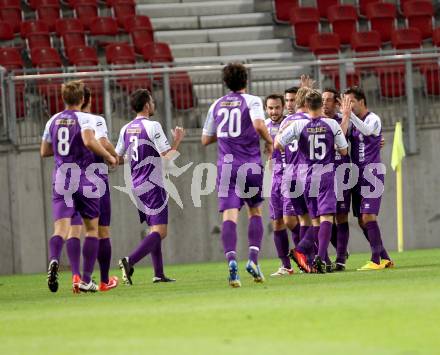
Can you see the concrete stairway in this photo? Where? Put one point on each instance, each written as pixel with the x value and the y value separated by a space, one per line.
pixel 203 31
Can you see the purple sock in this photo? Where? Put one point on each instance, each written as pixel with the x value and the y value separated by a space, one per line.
pixel 90 253
pixel 255 236
pixel 307 241
pixel 56 247
pixel 383 253
pixel 375 241
pixel 157 260
pixel 364 230
pixel 334 238
pixel 229 239
pixel 343 236
pixel 324 235
pixel 302 232
pixel 104 258
pixel 144 248
pixel 296 234
pixel 282 245
pixel 73 246
pixel 314 250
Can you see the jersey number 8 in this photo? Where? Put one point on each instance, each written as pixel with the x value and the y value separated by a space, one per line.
pixel 233 118
pixel 63 141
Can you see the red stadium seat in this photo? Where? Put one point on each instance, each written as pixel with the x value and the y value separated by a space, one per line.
pixel 343 19
pixel 33 26
pixel 305 21
pixel 420 14
pixel 140 38
pixel 362 5
pixel 34 4
pixel 407 38
pixel 68 25
pixel 382 18
pixel 86 11
pixel 158 52
pixel 10 58
pixel 283 8
pixel 6 31
pixel 120 54
pixel 96 95
pixel 324 5
pixel 137 22
pixel 431 73
pixel 10 12
pixel 436 37
pixel 124 10
pixel 366 41
pixel 49 14
pixel 103 26
pixel 325 44
pixel 45 58
pixel 182 94
pixel 392 80
pixel 73 40
pixel 83 56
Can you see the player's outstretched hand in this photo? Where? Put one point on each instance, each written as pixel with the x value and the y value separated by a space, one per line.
pixel 112 162
pixel 307 82
pixel 178 134
pixel 346 106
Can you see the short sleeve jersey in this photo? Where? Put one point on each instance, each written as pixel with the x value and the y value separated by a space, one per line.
pixel 316 140
pixel 366 149
pixel 144 141
pixel 230 119
pixel 63 131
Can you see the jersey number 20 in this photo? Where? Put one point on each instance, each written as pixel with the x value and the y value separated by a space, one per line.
pixel 233 118
pixel 317 146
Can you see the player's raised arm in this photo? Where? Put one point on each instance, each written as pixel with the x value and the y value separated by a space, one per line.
pixel 346 110
pixel 286 136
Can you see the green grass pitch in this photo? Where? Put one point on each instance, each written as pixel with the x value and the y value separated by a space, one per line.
pixel 387 312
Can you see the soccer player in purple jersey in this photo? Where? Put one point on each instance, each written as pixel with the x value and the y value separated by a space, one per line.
pixel 274 108
pixel 236 122
pixel 73 243
pixel 295 204
pixel 365 140
pixel 70 137
pixel 144 143
pixel 316 139
pixel 331 103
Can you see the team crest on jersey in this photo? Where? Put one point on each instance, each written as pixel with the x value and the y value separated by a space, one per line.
pixel 65 122
pixel 230 104
pixel 274 131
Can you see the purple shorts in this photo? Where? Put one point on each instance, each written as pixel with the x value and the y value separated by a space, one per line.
pixel 325 202
pixel 104 210
pixel 229 198
pixel 276 203
pixel 154 207
pixel 293 206
pixel 365 204
pixel 343 206
pixel 85 206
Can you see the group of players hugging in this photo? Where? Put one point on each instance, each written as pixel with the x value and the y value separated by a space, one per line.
pixel 314 178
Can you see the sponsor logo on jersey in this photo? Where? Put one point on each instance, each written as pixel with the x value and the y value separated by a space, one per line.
pixel 134 130
pixel 65 122
pixel 230 104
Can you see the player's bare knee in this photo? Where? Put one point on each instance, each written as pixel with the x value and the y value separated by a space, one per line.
pixel 305 220
pixel 103 232
pixel 341 218
pixel 162 229
pixel 91 226
pixel 366 218
pixel 291 222
pixel 278 224
pixel 326 218
pixel 62 227
pixel 254 211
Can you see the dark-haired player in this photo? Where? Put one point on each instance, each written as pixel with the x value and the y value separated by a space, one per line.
pixel 73 243
pixel 290 98
pixel 143 141
pixel 70 137
pixel 274 105
pixel 331 103
pixel 236 122
pixel 316 139
pixel 365 140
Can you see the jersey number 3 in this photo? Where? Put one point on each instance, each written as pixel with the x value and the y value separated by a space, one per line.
pixel 233 118
pixel 317 146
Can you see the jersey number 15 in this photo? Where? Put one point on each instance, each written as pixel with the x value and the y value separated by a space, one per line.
pixel 317 146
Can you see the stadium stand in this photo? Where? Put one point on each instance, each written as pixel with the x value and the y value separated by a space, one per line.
pixel 382 18
pixel 343 20
pixel 85 10
pixel 283 8
pixel 10 12
pixel 324 5
pixel 48 11
pixel 420 14
pixel 305 21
